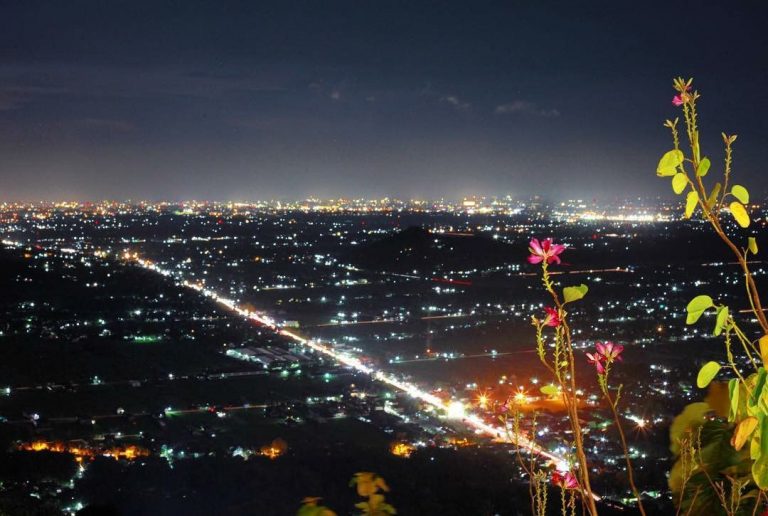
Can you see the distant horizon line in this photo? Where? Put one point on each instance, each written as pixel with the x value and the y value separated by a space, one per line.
pixel 346 199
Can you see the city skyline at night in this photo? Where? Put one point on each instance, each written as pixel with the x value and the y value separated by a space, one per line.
pixel 237 101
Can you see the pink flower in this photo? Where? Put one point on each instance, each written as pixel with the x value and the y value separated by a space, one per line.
pixel 544 250
pixel 552 318
pixel 597 360
pixel 610 351
pixel 682 97
pixel 566 480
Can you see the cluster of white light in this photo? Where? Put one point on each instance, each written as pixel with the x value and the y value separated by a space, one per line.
pixel 453 409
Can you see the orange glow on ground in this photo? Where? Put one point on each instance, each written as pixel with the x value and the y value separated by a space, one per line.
pixel 401 449
pixel 81 452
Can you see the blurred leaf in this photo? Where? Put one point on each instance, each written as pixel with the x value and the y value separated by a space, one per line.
pixel 740 193
pixel 571 294
pixel 703 167
pixel 311 508
pixel 679 182
pixel 707 373
pixel 739 213
pixel 718 398
pixel 382 484
pixel 669 162
pixel 689 419
pixel 363 480
pixel 696 307
pixel 550 390
pixel 690 203
pixel 743 430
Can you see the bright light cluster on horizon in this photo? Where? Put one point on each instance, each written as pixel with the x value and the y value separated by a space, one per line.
pixel 594 216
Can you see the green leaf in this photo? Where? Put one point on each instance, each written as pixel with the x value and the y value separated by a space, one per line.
pixel 703 167
pixel 707 373
pixel 669 162
pixel 696 307
pixel 679 182
pixel 550 390
pixel 758 388
pixel 740 193
pixel 733 393
pixel 739 213
pixel 752 245
pixel 760 466
pixel 713 195
pixel 722 318
pixel 571 294
pixel 690 203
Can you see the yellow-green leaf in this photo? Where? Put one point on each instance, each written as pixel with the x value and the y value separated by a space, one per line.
pixel 734 388
pixel 679 183
pixel 760 466
pixel 690 203
pixel 707 373
pixel 752 245
pixel 722 318
pixel 696 307
pixel 550 390
pixel 740 193
pixel 669 162
pixel 703 167
pixel 712 199
pixel 743 430
pixel 574 293
pixel 739 213
pixel 763 342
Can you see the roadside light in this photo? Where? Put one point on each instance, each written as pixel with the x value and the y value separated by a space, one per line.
pixel 455 410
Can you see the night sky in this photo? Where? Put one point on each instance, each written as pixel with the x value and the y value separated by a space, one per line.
pixel 250 100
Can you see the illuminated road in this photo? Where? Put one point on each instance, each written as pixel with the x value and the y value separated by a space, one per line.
pixel 461 357
pixel 386 321
pixel 453 408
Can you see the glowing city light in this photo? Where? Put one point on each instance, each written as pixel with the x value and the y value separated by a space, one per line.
pixel 454 409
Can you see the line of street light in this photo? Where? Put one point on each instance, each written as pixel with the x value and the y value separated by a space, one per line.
pixel 454 409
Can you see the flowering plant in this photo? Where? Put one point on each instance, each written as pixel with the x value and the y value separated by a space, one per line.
pixel 560 362
pixel 721 447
